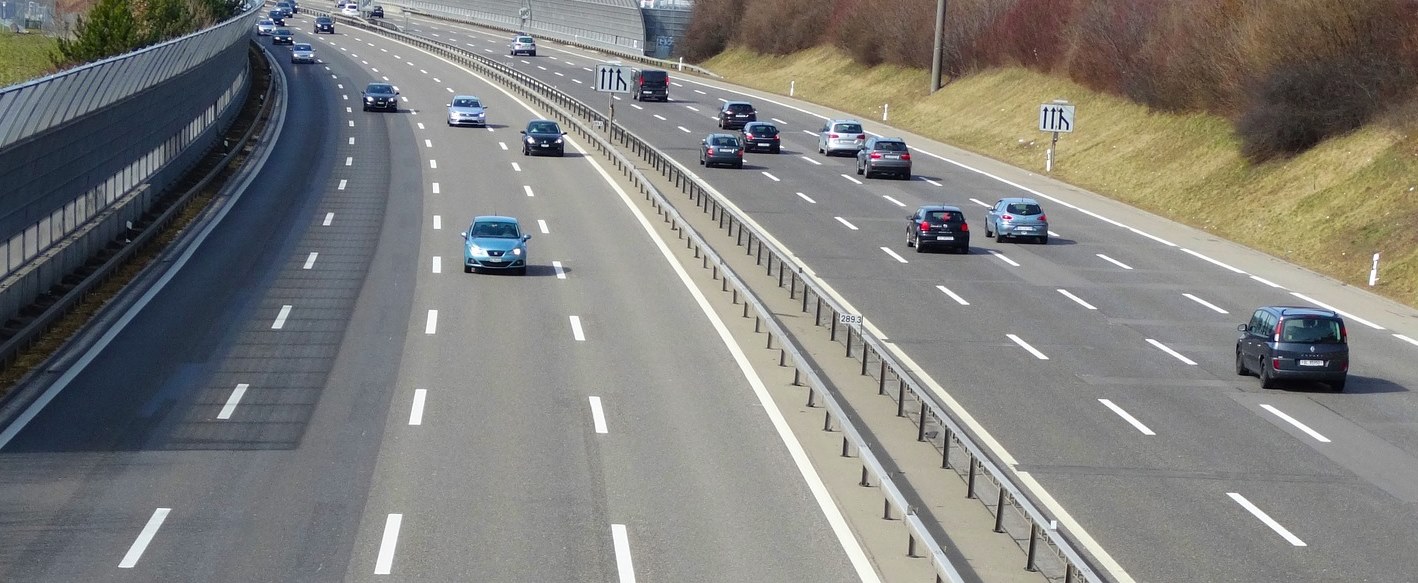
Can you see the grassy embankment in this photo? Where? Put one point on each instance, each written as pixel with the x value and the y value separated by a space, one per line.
pixel 1328 209
pixel 24 57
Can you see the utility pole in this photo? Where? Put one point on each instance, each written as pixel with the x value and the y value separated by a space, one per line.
pixel 939 38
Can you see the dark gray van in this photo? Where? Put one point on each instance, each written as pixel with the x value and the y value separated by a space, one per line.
pixel 1283 343
pixel 650 84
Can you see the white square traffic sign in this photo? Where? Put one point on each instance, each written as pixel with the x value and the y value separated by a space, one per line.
pixel 1055 117
pixel 612 79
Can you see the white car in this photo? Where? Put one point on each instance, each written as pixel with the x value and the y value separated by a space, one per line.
pixel 350 10
pixel 265 28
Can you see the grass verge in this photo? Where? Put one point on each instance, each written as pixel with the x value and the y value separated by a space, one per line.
pixel 1328 209
pixel 24 57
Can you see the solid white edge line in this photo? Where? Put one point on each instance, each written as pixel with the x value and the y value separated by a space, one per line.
pixel 1026 346
pixel 1265 518
pixel 1406 339
pixel 1127 417
pixel 1076 299
pixel 1113 261
pixel 1296 422
pixel 624 566
pixel 806 198
pixel 1267 282
pixel 560 271
pixel 1198 300
pixel 431 326
pixel 232 401
pixel 850 545
pixel 1212 261
pixel 598 415
pixel 150 530
pixel 953 296
pixel 1337 310
pixel 1175 354
pixel 893 255
pixel 385 561
pixel 844 222
pixel 576 331
pixel 1105 560
pixel 310 260
pixel 281 317
pixel 416 412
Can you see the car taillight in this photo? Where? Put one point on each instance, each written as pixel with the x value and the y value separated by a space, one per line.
pixel 1276 333
pixel 861 136
pixel 709 152
pixel 1275 363
pixel 775 137
pixel 1044 218
pixel 1343 337
pixel 740 152
pixel 833 136
pixel 876 155
pixel 905 156
pixel 964 227
pixel 749 136
pixel 1007 217
pixel 925 226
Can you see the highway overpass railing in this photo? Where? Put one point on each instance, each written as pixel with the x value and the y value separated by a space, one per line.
pixel 1012 506
pixel 85 152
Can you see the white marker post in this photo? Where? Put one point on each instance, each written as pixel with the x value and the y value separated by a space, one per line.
pixel 1055 117
pixel 1374 271
pixel 792 86
pixel 885 110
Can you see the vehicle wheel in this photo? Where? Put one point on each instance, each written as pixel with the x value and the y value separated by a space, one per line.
pixel 1266 380
pixel 1337 387
pixel 859 170
pixel 909 242
pixel 532 54
pixel 525 151
pixel 366 108
pixel 988 233
pixel 1044 240
pixel 701 162
pixel 522 270
pixel 739 165
pixel 963 249
pixel 906 175
pixel 819 148
pixel 1241 369
pixel 867 173
pixel 919 247
pixel 561 154
pixel 777 149
pixel 467 269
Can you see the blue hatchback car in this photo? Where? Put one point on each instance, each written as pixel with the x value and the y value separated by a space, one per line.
pixel 495 243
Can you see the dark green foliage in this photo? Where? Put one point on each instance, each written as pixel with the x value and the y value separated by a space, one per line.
pixel 108 29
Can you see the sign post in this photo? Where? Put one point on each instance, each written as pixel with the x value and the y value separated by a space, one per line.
pixel 1055 117
pixel 612 78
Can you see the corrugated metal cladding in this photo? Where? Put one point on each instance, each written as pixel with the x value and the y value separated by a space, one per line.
pixel 72 142
pixel 664 28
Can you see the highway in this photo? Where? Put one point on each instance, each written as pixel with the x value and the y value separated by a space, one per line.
pixel 310 389
pixel 1102 363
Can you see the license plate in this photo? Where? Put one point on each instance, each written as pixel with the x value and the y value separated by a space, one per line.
pixel 546 145
pixel 765 143
pixel 1024 228
pixel 741 115
pixel 945 238
pixel 1312 363
pixel 893 156
pixel 730 150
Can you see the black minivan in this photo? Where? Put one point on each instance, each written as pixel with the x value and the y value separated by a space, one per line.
pixel 1282 343
pixel 650 84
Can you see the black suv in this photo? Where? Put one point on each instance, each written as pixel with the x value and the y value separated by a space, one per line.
pixel 1294 343
pixel 650 84
pixel 324 24
pixel 543 136
pixel 381 96
pixel 938 225
pixel 733 114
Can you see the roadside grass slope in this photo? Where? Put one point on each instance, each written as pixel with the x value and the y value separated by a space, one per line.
pixel 1328 209
pixel 24 57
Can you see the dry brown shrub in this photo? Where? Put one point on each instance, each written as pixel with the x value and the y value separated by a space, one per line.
pixel 779 27
pixel 711 27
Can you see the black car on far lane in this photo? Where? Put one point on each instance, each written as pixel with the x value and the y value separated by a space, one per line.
pixel 324 24
pixel 381 96
pixel 760 136
pixel 733 114
pixel 376 12
pixel 938 225
pixel 543 136
pixel 282 36
pixel 277 16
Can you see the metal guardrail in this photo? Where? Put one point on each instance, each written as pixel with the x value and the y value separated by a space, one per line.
pixel 510 26
pixel 927 415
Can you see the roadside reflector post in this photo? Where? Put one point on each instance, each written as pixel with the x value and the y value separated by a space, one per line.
pixel 1374 271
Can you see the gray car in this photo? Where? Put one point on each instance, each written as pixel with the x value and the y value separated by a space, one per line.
pixel 885 156
pixel 721 150
pixel 1282 343
pixel 495 243
pixel 523 45
pixel 840 135
pixel 1014 218
pixel 467 110
pixel 302 53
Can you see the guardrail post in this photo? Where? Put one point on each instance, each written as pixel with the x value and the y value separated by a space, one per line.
pixel 849 341
pixel 901 400
pixel 758 260
pixel 881 379
pixel 999 511
pixel 945 450
pixel 846 446
pixel 911 545
pixel 827 420
pixel 780 273
pixel 970 484
pixel 805 290
pixel 792 284
pixel 817 317
pixel 921 426
pixel 736 296
pixel 770 340
pixel 1033 544
pixel 833 334
pixel 797 377
pixel 865 355
pixel 812 402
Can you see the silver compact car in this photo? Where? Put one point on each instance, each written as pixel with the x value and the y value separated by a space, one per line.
pixel 495 243
pixel 523 45
pixel 467 110
pixel 302 53
pixel 885 156
pixel 1013 218
pixel 265 27
pixel 841 135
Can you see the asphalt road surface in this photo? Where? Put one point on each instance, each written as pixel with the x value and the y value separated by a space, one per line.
pixel 1103 362
pixel 321 394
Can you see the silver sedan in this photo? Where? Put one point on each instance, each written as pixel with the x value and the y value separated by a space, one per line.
pixel 467 110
